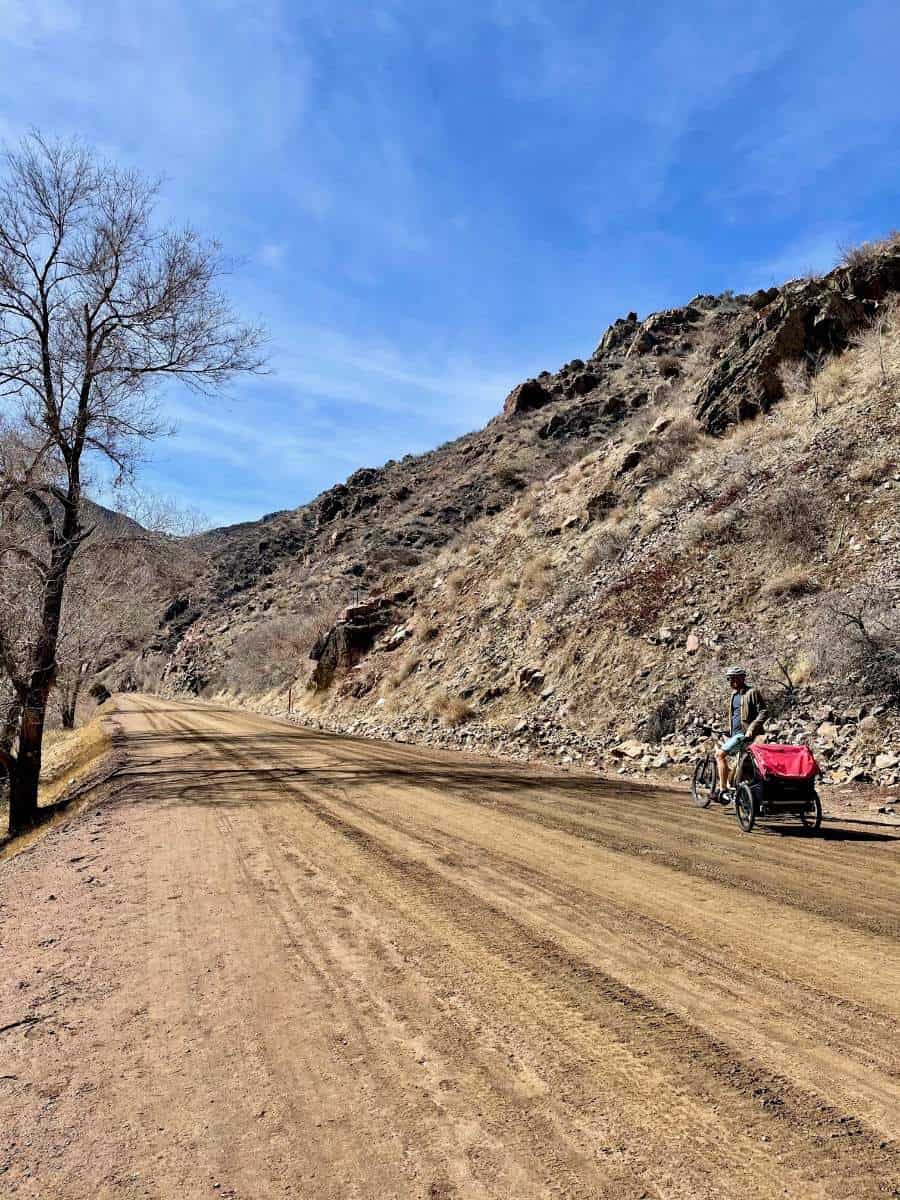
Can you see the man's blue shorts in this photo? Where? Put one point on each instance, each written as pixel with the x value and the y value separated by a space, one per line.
pixel 734 744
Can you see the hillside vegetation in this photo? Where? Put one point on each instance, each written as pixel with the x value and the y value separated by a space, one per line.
pixel 716 482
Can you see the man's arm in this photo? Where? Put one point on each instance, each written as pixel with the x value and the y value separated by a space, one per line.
pixel 757 725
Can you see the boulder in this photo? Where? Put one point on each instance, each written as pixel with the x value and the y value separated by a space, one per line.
pixel 631 460
pixel 630 748
pixel 341 647
pixel 616 335
pixel 530 679
pixel 525 397
pixel 585 382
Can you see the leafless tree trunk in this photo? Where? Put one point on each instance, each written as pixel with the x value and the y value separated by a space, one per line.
pixel 97 306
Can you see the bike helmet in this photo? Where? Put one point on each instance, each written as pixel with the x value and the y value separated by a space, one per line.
pixel 735 670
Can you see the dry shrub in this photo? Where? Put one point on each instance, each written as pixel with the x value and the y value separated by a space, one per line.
pixel 535 579
pixel 408 664
pixel 858 256
pixel 428 631
pixel 789 517
pixel 859 641
pixel 606 548
pixel 636 600
pixel 669 366
pixel 450 710
pixel 793 581
pixel 455 580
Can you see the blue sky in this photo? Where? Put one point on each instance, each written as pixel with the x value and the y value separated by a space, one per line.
pixel 433 200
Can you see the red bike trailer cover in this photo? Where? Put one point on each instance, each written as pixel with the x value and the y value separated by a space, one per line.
pixel 785 762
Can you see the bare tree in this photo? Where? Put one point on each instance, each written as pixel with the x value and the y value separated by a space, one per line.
pixel 118 586
pixel 98 305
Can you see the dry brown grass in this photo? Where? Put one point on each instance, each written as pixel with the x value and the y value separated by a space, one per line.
pixel 875 467
pixel 406 667
pixel 536 579
pixel 450 710
pixel 859 255
pixel 793 581
pixel 669 366
pixel 455 581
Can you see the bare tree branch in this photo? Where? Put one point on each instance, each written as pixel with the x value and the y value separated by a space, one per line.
pixel 98 306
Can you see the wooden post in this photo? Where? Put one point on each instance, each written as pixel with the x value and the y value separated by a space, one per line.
pixel 290 700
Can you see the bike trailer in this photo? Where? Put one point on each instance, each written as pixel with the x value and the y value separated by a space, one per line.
pixel 776 763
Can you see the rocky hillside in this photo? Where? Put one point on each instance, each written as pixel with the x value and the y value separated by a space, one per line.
pixel 714 482
pixel 301 567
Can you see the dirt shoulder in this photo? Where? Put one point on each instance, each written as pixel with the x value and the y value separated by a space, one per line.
pixel 76 763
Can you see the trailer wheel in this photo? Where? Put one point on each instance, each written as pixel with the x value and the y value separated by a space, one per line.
pixel 745 807
pixel 811 816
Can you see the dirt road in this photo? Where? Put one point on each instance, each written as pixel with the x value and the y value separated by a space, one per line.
pixel 274 963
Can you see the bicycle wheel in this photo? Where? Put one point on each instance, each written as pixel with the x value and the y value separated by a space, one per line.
pixel 703 784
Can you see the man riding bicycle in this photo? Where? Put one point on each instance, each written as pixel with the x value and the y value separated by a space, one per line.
pixel 746 718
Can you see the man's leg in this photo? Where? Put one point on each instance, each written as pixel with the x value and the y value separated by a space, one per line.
pixel 722 769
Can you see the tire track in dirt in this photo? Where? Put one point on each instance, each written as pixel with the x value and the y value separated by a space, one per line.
pixel 528 1136
pixel 873 1066
pixel 671 1038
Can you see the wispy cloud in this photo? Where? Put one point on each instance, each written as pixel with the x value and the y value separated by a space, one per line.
pixel 434 201
pixel 25 23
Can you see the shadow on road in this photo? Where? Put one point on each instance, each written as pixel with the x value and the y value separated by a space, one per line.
pixel 198 776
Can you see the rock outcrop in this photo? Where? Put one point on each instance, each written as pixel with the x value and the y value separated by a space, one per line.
pixel 799 321
pixel 525 397
pixel 352 636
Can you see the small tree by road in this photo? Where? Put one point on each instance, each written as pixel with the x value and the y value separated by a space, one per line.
pixel 98 306
pixel 117 587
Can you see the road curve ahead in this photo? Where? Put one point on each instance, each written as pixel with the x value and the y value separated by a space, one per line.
pixel 275 963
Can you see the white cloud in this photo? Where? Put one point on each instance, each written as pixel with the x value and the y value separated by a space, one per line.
pixel 271 254
pixel 25 23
